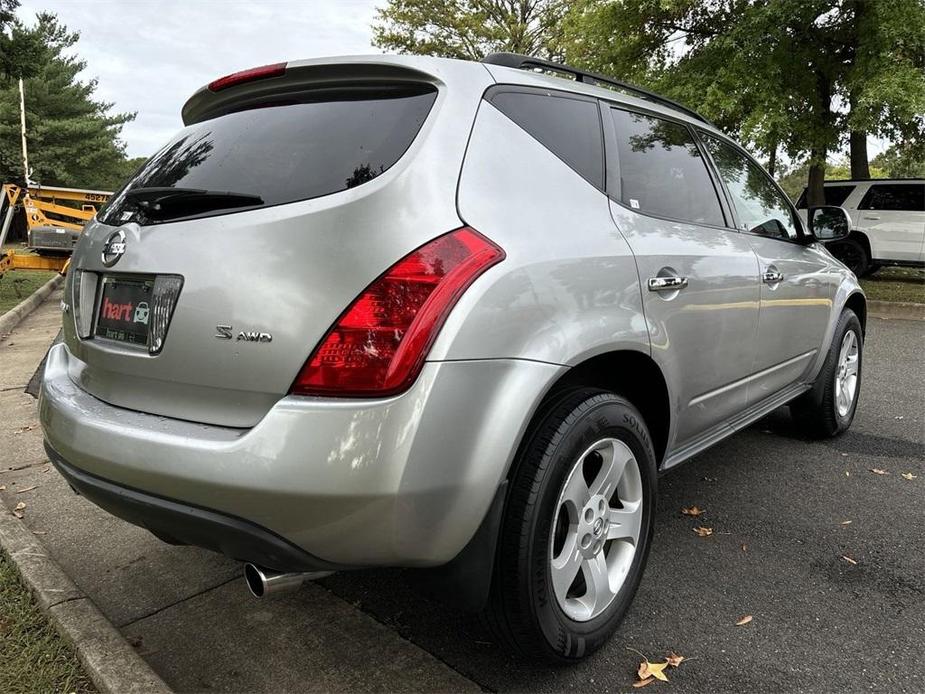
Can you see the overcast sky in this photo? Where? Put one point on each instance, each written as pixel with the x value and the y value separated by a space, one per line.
pixel 150 57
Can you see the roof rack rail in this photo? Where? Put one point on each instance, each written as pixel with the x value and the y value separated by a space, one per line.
pixel 526 62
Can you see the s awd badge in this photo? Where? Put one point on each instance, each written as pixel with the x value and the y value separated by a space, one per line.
pixel 226 332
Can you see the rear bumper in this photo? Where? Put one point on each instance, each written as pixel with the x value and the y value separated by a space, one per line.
pixel 180 523
pixel 403 481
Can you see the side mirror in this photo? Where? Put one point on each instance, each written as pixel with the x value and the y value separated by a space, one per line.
pixel 828 223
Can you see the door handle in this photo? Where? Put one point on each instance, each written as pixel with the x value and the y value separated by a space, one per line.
pixel 666 284
pixel 871 216
pixel 772 276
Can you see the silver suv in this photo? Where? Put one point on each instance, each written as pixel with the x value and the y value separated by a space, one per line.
pixel 406 311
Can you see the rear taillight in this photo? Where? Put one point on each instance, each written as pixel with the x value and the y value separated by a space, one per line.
pixel 255 73
pixel 378 345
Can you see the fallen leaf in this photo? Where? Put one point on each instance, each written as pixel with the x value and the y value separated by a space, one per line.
pixel 908 476
pixel 899 417
pixel 878 471
pixel 27 489
pixel 692 511
pixel 847 474
pixel 643 683
pixel 849 559
pixel 29 427
pixel 846 522
pixel 673 659
pixel 744 548
pixel 20 506
pixel 39 532
pixel 744 620
pixel 703 532
pixel 647 669
pixel 2 487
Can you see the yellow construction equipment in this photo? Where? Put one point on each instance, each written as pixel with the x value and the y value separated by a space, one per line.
pixel 54 219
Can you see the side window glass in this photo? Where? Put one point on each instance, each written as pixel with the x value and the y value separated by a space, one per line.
pixel 905 197
pixel 761 207
pixel 834 195
pixel 569 128
pixel 662 171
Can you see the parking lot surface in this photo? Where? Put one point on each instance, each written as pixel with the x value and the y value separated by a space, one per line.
pixel 835 605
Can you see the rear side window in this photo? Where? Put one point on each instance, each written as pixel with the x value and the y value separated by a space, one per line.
pixel 304 147
pixel 662 171
pixel 834 195
pixel 908 197
pixel 570 128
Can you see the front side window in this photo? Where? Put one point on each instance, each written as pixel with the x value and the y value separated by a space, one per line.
pixel 569 128
pixel 908 197
pixel 760 206
pixel 662 171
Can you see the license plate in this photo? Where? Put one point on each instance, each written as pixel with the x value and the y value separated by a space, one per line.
pixel 125 308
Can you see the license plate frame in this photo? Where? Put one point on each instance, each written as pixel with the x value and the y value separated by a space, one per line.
pixel 124 310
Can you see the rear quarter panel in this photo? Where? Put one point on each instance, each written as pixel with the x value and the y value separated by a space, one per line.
pixel 568 288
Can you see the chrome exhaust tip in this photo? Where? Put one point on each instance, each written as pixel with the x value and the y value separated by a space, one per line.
pixel 263 582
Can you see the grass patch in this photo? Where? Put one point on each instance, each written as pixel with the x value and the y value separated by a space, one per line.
pixel 896 284
pixel 33 656
pixel 19 284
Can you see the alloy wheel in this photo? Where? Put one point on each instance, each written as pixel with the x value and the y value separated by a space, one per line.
pixel 596 529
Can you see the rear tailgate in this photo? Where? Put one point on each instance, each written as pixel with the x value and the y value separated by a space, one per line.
pixel 262 285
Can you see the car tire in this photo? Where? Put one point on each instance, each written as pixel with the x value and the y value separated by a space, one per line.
pixel 828 409
pixel 545 528
pixel 853 255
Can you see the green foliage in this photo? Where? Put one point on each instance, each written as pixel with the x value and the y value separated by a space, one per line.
pixel 19 49
pixel 470 29
pixel 778 74
pixel 901 162
pixel 73 139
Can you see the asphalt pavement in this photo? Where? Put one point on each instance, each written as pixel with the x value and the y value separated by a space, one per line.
pixel 835 606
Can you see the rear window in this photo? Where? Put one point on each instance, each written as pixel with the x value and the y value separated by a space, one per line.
pixel 909 197
pixel 834 195
pixel 569 127
pixel 310 145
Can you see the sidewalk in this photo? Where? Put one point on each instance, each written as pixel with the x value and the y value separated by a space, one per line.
pixel 185 610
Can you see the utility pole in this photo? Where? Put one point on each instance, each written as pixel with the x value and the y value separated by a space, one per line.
pixel 22 120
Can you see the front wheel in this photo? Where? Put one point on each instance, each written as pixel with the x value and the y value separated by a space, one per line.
pixel 828 409
pixel 577 528
pixel 852 253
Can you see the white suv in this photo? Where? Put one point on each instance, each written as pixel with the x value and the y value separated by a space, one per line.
pixel 888 222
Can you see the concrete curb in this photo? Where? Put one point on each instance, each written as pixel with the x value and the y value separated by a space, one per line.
pixel 12 318
pixel 108 659
pixel 902 310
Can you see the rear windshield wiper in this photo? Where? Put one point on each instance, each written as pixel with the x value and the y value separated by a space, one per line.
pixel 176 202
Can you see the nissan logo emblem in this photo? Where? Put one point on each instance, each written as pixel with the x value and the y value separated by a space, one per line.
pixel 114 248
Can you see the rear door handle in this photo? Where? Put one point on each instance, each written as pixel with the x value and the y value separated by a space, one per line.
pixel 871 216
pixel 666 284
pixel 772 276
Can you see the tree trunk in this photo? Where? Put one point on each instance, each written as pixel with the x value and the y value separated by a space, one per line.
pixel 815 193
pixel 772 160
pixel 860 168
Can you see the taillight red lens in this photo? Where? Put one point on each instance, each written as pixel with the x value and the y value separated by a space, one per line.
pixel 378 345
pixel 255 73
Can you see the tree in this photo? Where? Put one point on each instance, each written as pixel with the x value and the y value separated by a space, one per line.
pixel 901 162
pixel 779 74
pixel 19 48
pixel 73 139
pixel 470 29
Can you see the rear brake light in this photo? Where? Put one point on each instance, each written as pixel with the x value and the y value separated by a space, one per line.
pixel 378 345
pixel 255 73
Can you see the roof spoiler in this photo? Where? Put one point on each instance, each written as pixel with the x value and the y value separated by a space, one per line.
pixel 526 62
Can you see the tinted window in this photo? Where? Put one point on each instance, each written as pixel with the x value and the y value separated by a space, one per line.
pixel 662 171
pixel 834 195
pixel 304 148
pixel 760 206
pixel 569 128
pixel 882 196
